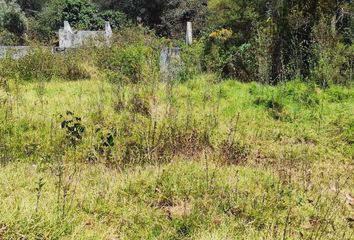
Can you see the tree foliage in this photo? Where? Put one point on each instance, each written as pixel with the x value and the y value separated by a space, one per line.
pixel 13 23
pixel 288 30
pixel 167 17
pixel 32 7
pixel 270 41
pixel 81 14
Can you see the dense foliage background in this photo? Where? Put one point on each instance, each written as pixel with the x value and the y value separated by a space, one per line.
pixel 264 40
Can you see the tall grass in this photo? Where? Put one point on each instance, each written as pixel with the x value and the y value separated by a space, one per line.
pixel 94 145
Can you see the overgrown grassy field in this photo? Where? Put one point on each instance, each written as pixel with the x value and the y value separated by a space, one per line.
pixel 200 159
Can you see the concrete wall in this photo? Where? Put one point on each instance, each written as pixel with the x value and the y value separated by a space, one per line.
pixel 68 38
pixel 170 63
pixel 15 52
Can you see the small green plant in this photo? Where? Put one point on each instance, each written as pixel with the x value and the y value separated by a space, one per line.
pixel 140 104
pixel 73 127
pixel 105 143
pixel 191 57
pixel 275 107
pixel 39 188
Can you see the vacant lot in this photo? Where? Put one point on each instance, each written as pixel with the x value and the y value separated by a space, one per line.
pixel 195 160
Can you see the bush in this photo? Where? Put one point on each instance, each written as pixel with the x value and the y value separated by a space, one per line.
pixel 75 64
pixel 132 64
pixel 334 66
pixel 81 14
pixel 227 58
pixel 216 54
pixel 13 24
pixel 8 38
pixel 41 64
pixel 136 35
pixel 191 60
pixel 117 19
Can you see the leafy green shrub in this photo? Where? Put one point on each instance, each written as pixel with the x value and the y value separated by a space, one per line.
pixel 117 19
pixel 133 56
pixel 241 64
pixel 191 57
pixel 76 71
pixel 39 64
pixel 42 64
pixel 132 64
pixel 8 38
pixel 71 66
pixel 216 55
pixel 73 127
pixel 227 58
pixel 136 35
pixel 81 14
pixel 13 23
pixel 334 66
pixel 8 67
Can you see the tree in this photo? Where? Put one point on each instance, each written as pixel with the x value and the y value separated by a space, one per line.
pixel 13 23
pixel 81 14
pixel 167 17
pixel 32 7
pixel 291 26
pixel 177 13
pixel 117 19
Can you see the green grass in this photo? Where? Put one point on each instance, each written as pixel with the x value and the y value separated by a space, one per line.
pixel 173 201
pixel 209 160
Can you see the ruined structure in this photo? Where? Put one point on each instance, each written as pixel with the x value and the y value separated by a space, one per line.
pixel 15 52
pixel 170 58
pixel 170 63
pixel 68 38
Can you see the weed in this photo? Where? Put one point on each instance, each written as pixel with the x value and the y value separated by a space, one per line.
pixel 105 143
pixel 40 184
pixel 140 105
pixel 74 128
pixel 234 152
